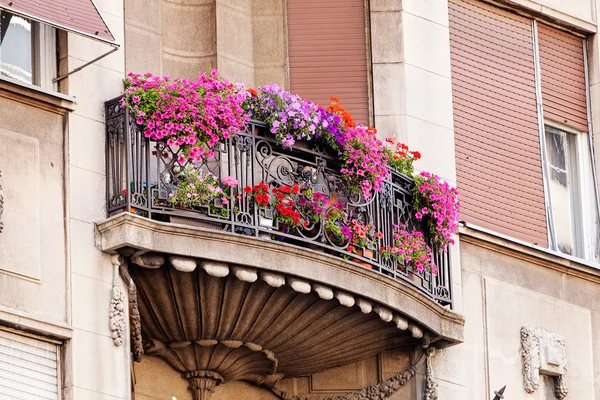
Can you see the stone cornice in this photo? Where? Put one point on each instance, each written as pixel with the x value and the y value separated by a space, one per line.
pixel 144 235
pixel 529 253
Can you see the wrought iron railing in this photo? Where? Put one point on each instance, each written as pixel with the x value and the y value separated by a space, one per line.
pixel 141 173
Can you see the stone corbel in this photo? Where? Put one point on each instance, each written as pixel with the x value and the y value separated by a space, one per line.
pixel 543 353
pixel 430 384
pixel 117 304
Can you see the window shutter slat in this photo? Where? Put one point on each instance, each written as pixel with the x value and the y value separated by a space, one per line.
pixel 327 53
pixel 28 368
pixel 498 161
pixel 563 77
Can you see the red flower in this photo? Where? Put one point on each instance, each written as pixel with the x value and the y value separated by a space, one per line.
pixel 252 92
pixel 247 189
pixel 280 197
pixel 296 188
pixel 351 249
pixel 416 154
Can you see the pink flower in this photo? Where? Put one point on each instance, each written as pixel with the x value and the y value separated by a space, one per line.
pixel 229 181
pixel 224 200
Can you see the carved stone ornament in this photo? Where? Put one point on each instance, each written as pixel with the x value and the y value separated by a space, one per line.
pixel 381 391
pixel 543 353
pixel 1 204
pixel 430 384
pixel 117 306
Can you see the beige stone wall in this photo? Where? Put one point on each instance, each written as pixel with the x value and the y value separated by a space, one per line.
pixel 156 380
pixel 32 244
pixel 507 287
pixel 94 366
pixel 244 39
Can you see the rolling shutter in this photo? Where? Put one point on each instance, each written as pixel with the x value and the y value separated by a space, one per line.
pixel 28 368
pixel 498 162
pixel 328 53
pixel 563 77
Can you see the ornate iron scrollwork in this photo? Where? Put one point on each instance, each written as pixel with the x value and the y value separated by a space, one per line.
pixel 142 173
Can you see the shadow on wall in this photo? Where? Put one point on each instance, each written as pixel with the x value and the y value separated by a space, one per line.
pixel 156 380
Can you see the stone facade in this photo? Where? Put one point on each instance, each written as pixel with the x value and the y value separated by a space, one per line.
pixel 58 279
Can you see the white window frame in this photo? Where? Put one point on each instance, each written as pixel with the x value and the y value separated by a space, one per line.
pixel 44 63
pixel 588 195
pixel 585 195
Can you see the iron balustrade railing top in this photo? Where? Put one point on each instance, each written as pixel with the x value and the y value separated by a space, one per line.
pixel 140 174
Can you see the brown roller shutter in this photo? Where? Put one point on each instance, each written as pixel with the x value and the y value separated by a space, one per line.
pixel 78 16
pixel 328 53
pixel 498 162
pixel 563 77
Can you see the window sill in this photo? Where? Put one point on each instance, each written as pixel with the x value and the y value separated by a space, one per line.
pixel 36 96
pixel 565 263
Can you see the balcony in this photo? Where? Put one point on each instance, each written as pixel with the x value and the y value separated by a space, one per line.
pixel 141 174
pixel 257 288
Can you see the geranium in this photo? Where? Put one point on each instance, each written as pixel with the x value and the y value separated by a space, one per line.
pixel 192 115
pixel 365 236
pixel 336 109
pixel 229 181
pixel 290 117
pixel 400 157
pixel 260 193
pixel 436 203
pixel 286 201
pixel 195 188
pixel 411 250
pixel 365 161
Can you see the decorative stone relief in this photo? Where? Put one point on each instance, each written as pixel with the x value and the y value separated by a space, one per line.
pixel 117 305
pixel 430 384
pixel 1 204
pixel 381 391
pixel 543 353
pixel 135 321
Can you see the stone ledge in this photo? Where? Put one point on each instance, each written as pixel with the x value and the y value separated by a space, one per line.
pixel 529 252
pixel 30 323
pixel 36 96
pixel 128 230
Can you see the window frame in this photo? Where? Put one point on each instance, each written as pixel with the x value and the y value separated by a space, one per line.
pixel 44 47
pixel 582 193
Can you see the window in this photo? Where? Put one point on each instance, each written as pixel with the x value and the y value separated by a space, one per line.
pixel 574 217
pixel 27 50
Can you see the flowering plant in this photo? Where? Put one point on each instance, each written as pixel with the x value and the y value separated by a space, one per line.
pixel 260 193
pixel 285 203
pixel 400 157
pixel 290 117
pixel 365 161
pixel 436 203
pixel 197 188
pixel 411 250
pixel 191 115
pixel 364 236
pixel 336 224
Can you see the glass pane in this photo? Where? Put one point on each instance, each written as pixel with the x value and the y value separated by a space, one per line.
pixel 16 47
pixel 563 186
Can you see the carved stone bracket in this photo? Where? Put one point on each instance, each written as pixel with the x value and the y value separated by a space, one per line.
pixel 1 204
pixel 430 384
pixel 117 305
pixel 543 353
